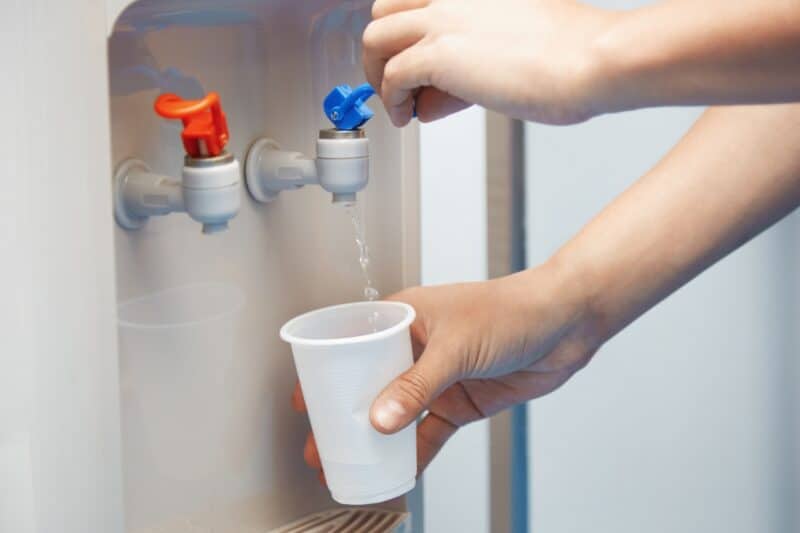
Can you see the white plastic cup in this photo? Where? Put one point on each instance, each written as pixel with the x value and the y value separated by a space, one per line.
pixel 176 347
pixel 345 355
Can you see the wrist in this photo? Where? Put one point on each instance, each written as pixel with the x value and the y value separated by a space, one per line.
pixel 575 286
pixel 557 298
pixel 618 66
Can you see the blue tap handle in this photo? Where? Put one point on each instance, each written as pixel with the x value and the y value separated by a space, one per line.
pixel 346 107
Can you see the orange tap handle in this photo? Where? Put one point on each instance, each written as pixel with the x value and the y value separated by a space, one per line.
pixel 205 128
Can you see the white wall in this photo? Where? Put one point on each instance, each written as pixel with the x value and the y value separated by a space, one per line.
pixel 685 421
pixel 59 395
pixel 453 188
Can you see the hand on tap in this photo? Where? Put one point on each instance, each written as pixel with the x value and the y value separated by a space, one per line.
pixel 562 61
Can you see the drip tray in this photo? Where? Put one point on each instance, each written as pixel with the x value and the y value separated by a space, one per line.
pixel 351 521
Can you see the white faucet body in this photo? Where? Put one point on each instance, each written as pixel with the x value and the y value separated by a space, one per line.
pixel 341 166
pixel 209 191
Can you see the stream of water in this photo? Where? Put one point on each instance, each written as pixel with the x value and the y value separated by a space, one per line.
pixel 370 292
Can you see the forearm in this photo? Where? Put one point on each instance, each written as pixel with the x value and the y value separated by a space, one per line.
pixel 688 52
pixel 734 174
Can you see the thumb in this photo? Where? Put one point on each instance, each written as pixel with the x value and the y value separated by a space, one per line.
pixel 405 398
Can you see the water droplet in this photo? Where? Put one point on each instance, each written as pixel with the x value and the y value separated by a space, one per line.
pixel 371 293
pixel 373 321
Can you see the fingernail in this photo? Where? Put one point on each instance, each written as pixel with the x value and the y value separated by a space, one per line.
pixel 389 414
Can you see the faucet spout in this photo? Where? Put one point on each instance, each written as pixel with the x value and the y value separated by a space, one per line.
pixel 344 197
pixel 208 191
pixel 340 168
pixel 210 229
pixel 210 183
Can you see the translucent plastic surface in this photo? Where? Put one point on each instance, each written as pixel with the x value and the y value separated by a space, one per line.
pixel 175 349
pixel 345 355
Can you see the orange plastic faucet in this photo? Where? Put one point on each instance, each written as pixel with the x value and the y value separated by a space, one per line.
pixel 205 128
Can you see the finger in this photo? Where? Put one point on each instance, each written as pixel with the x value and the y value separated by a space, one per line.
pixel 386 37
pixel 404 73
pixel 405 398
pixel 432 104
pixel 321 477
pixel 494 395
pixel 382 8
pixel 419 330
pixel 298 402
pixel 457 406
pixel 419 337
pixel 310 452
pixel 432 433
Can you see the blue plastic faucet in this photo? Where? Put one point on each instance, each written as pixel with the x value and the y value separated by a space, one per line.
pixel 346 107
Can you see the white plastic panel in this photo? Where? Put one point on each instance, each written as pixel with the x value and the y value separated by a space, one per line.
pixel 272 62
pixel 59 395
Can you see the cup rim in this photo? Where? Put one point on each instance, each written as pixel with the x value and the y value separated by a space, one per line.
pixel 378 335
pixel 237 303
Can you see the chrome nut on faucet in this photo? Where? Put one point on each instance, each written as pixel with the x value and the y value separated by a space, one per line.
pixel 209 189
pixel 342 163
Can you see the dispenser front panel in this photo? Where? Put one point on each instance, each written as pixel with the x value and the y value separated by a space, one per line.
pixel 210 442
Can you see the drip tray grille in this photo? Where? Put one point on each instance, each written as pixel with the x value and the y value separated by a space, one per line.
pixel 350 521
